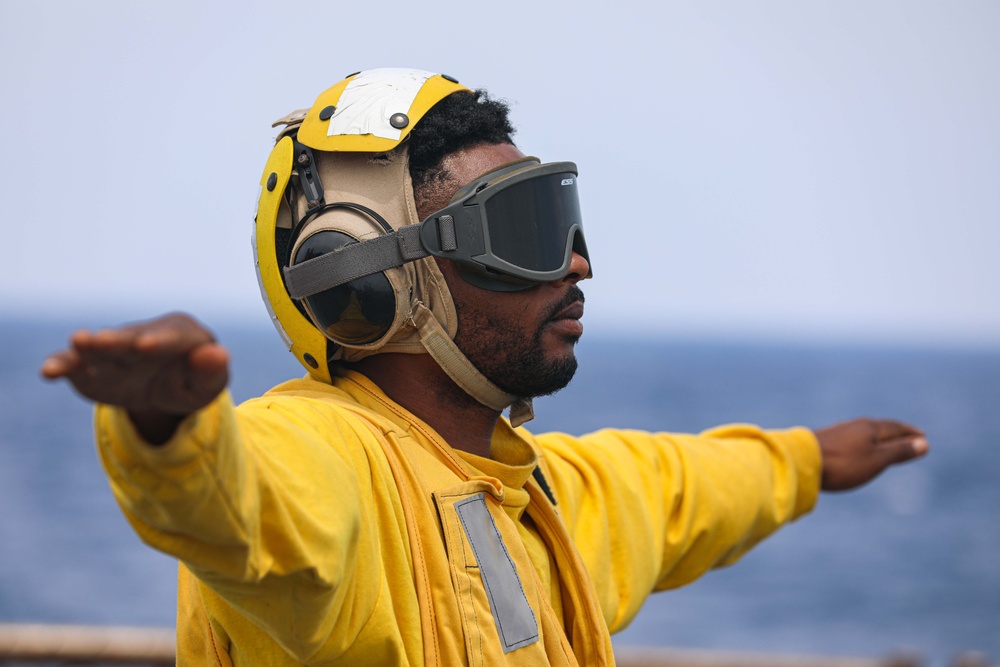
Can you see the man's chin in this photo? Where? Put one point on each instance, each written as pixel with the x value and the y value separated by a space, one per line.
pixel 546 377
pixel 559 338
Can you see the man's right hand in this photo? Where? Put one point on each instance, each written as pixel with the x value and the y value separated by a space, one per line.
pixel 160 371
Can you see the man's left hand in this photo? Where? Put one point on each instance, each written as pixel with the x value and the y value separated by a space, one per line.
pixel 856 452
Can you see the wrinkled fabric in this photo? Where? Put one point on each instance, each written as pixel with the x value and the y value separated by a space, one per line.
pixel 322 525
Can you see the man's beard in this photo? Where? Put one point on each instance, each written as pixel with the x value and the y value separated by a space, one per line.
pixel 518 367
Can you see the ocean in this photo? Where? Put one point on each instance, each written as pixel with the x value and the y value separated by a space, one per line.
pixel 909 563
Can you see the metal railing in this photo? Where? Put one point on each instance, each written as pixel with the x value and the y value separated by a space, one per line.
pixel 89 645
pixel 629 656
pixel 97 645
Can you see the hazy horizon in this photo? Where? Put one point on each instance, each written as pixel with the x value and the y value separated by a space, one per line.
pixel 789 171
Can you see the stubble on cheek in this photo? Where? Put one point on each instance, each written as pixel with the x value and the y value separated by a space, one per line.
pixel 514 358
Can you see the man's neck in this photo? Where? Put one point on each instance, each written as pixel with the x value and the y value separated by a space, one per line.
pixel 417 383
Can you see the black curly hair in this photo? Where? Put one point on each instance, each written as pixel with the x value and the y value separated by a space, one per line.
pixel 458 121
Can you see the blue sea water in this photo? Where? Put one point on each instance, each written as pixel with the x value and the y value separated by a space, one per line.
pixel 908 563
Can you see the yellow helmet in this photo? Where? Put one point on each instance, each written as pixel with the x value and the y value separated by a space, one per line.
pixel 338 176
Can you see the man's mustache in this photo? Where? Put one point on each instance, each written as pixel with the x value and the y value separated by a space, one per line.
pixel 573 295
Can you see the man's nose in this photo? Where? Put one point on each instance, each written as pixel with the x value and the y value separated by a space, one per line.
pixel 579 268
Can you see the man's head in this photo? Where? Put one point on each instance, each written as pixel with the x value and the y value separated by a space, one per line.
pixel 506 335
pixel 521 340
pixel 340 252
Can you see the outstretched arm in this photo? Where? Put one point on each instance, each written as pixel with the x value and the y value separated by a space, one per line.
pixel 856 452
pixel 264 504
pixel 160 371
pixel 654 511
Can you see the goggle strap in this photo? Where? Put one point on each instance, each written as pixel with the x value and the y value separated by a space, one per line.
pixel 354 261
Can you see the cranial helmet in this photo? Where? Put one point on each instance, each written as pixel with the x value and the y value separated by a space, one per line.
pixel 344 263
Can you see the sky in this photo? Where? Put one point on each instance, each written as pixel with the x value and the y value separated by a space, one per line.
pixel 778 169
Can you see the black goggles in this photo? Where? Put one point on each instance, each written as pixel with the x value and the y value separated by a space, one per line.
pixel 508 230
pixel 512 228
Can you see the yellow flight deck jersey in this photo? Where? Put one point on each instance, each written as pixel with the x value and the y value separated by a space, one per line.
pixel 325 525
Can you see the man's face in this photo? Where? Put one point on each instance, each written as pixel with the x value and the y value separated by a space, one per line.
pixel 522 341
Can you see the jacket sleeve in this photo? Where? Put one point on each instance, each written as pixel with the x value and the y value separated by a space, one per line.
pixel 264 504
pixel 650 511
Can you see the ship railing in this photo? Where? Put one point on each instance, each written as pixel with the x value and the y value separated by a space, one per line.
pixel 23 643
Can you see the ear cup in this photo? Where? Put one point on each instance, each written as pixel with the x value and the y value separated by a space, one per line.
pixel 356 313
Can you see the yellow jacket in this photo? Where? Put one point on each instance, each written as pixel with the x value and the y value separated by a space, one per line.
pixel 325 525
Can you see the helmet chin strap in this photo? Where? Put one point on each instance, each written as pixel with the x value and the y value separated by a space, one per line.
pixel 458 367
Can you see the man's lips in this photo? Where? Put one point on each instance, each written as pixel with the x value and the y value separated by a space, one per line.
pixel 574 311
pixel 567 321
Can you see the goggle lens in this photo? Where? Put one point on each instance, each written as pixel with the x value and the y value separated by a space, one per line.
pixel 529 222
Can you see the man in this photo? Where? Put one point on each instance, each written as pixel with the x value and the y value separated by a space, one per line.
pixel 380 511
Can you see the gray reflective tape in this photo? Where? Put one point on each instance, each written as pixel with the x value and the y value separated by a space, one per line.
pixel 354 261
pixel 512 614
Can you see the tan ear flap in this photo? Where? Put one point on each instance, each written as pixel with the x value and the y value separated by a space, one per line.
pixel 367 311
